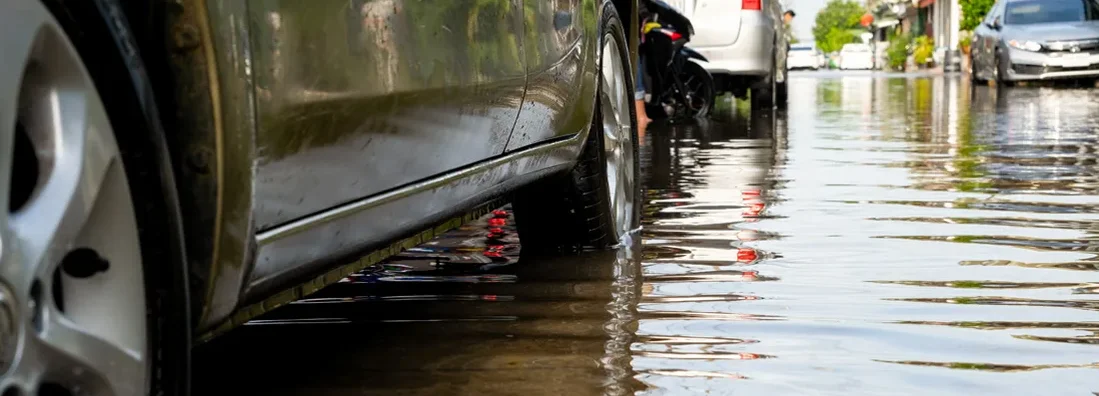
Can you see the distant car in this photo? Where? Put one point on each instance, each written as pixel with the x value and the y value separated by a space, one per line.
pixel 1037 40
pixel 856 57
pixel 744 43
pixel 804 56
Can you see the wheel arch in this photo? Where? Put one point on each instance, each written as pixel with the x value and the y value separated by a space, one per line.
pixel 210 136
pixel 627 11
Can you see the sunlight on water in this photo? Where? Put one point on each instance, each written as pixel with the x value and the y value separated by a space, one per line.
pixel 881 236
pixel 907 236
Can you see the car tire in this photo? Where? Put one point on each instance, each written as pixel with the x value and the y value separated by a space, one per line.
pixel 781 94
pixel 763 95
pixel 780 91
pixel 1000 78
pixel 702 84
pixel 125 217
pixel 974 71
pixel 597 203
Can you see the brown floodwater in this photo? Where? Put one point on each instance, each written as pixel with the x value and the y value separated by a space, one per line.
pixel 901 235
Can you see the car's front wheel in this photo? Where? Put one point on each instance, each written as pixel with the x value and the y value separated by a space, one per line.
pixel 1000 72
pixel 598 203
pixel 89 277
pixel 974 70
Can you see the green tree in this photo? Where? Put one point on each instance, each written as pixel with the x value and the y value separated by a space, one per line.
pixel 835 39
pixel 834 24
pixel 973 11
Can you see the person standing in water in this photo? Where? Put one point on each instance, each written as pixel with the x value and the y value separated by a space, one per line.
pixel 639 83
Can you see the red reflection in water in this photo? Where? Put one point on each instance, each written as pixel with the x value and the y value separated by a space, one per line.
pixel 746 255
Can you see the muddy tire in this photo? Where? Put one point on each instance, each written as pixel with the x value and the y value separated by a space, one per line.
pixel 598 201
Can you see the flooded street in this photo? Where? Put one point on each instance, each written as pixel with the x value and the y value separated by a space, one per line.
pixel 907 235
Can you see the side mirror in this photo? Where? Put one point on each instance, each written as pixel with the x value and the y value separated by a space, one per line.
pixel 995 24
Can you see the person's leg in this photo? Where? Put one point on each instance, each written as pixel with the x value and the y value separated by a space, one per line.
pixel 639 98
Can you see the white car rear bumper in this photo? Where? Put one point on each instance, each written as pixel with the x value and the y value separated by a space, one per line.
pixel 751 55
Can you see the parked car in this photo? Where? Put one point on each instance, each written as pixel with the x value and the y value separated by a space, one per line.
pixel 1037 40
pixel 856 56
pixel 173 169
pixel 804 56
pixel 743 41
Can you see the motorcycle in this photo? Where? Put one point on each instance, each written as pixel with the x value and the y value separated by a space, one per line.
pixel 680 87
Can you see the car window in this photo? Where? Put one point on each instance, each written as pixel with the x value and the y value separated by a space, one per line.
pixel 1050 11
pixel 855 48
pixel 795 49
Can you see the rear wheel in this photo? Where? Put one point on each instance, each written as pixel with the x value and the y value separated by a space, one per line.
pixel 598 203
pixel 780 89
pixel 700 89
pixel 763 94
pixel 83 308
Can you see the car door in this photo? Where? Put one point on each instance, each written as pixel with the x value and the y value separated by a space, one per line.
pixel 559 98
pixel 356 97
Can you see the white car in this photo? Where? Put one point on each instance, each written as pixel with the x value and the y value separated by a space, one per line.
pixel 856 56
pixel 804 56
pixel 745 45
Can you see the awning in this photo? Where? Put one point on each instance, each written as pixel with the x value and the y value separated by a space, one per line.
pixel 926 3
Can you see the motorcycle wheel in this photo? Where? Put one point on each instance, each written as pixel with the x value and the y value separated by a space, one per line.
pixel 700 90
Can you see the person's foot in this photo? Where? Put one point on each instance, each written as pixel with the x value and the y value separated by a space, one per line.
pixel 643 119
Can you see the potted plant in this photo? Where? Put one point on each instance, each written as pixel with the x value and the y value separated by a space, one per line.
pixel 965 41
pixel 897 53
pixel 925 48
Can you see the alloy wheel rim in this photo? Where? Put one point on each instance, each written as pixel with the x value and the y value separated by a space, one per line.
pixel 697 99
pixel 617 135
pixel 71 279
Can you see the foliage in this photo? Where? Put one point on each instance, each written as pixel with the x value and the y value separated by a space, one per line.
pixel 973 11
pixel 835 39
pixel 897 53
pixel 965 40
pixel 834 22
pixel 925 47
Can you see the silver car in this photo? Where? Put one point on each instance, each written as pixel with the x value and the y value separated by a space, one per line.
pixel 1023 40
pixel 745 45
pixel 171 169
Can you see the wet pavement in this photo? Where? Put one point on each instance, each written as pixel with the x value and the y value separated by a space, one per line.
pixel 908 235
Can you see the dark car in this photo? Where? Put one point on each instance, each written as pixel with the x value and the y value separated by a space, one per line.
pixel 171 169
